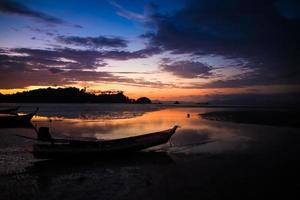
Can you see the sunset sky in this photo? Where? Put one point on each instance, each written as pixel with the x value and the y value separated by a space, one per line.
pixel 162 49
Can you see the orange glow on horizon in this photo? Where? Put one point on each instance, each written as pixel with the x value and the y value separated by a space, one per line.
pixel 168 93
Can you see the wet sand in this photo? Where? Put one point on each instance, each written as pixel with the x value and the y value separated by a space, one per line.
pixel 205 160
pixel 267 168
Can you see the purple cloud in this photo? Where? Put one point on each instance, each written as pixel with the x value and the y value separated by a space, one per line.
pixel 188 69
pixel 93 42
pixel 16 8
pixel 62 67
pixel 253 30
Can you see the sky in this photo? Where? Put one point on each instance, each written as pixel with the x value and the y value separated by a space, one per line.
pixel 191 50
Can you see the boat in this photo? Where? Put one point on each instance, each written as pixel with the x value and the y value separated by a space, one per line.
pixel 16 119
pixel 9 110
pixel 52 148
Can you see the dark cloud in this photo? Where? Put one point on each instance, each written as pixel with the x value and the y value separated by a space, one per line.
pixel 74 59
pixel 253 30
pixel 16 8
pixel 254 78
pixel 66 59
pixel 55 70
pixel 20 79
pixel 126 55
pixel 22 67
pixel 94 42
pixel 289 8
pixel 149 51
pixel 41 31
pixel 19 72
pixel 53 76
pixel 188 69
pixel 78 26
pixel 141 73
pixel 34 59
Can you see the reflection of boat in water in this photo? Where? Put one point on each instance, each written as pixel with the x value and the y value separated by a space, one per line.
pixel 16 119
pixel 9 110
pixel 70 148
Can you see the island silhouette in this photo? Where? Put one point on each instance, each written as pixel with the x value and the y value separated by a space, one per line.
pixel 67 95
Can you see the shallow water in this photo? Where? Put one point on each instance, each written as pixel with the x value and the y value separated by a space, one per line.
pixel 110 121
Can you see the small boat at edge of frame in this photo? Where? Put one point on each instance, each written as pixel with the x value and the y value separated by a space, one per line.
pixel 9 110
pixel 16 119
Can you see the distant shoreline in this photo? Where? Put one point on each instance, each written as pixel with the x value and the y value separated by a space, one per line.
pixel 236 106
pixel 273 118
pixel 171 105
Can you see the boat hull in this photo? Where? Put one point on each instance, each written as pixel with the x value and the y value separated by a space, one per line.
pixel 15 119
pixel 77 149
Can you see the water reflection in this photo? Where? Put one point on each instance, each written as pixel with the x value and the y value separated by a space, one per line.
pixel 194 130
pixel 196 136
pixel 117 128
pixel 89 111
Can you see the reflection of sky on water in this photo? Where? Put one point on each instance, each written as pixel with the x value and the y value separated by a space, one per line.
pixel 116 128
pixel 108 121
pixel 193 132
pixel 87 111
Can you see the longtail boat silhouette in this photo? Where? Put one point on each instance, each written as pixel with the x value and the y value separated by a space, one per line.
pixel 51 148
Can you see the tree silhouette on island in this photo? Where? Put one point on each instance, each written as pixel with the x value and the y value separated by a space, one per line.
pixel 143 100
pixel 69 95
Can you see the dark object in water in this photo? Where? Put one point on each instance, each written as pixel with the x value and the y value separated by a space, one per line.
pixel 73 148
pixel 16 119
pixel 188 115
pixel 9 110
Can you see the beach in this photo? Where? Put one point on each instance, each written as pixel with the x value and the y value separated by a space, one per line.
pixel 204 159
